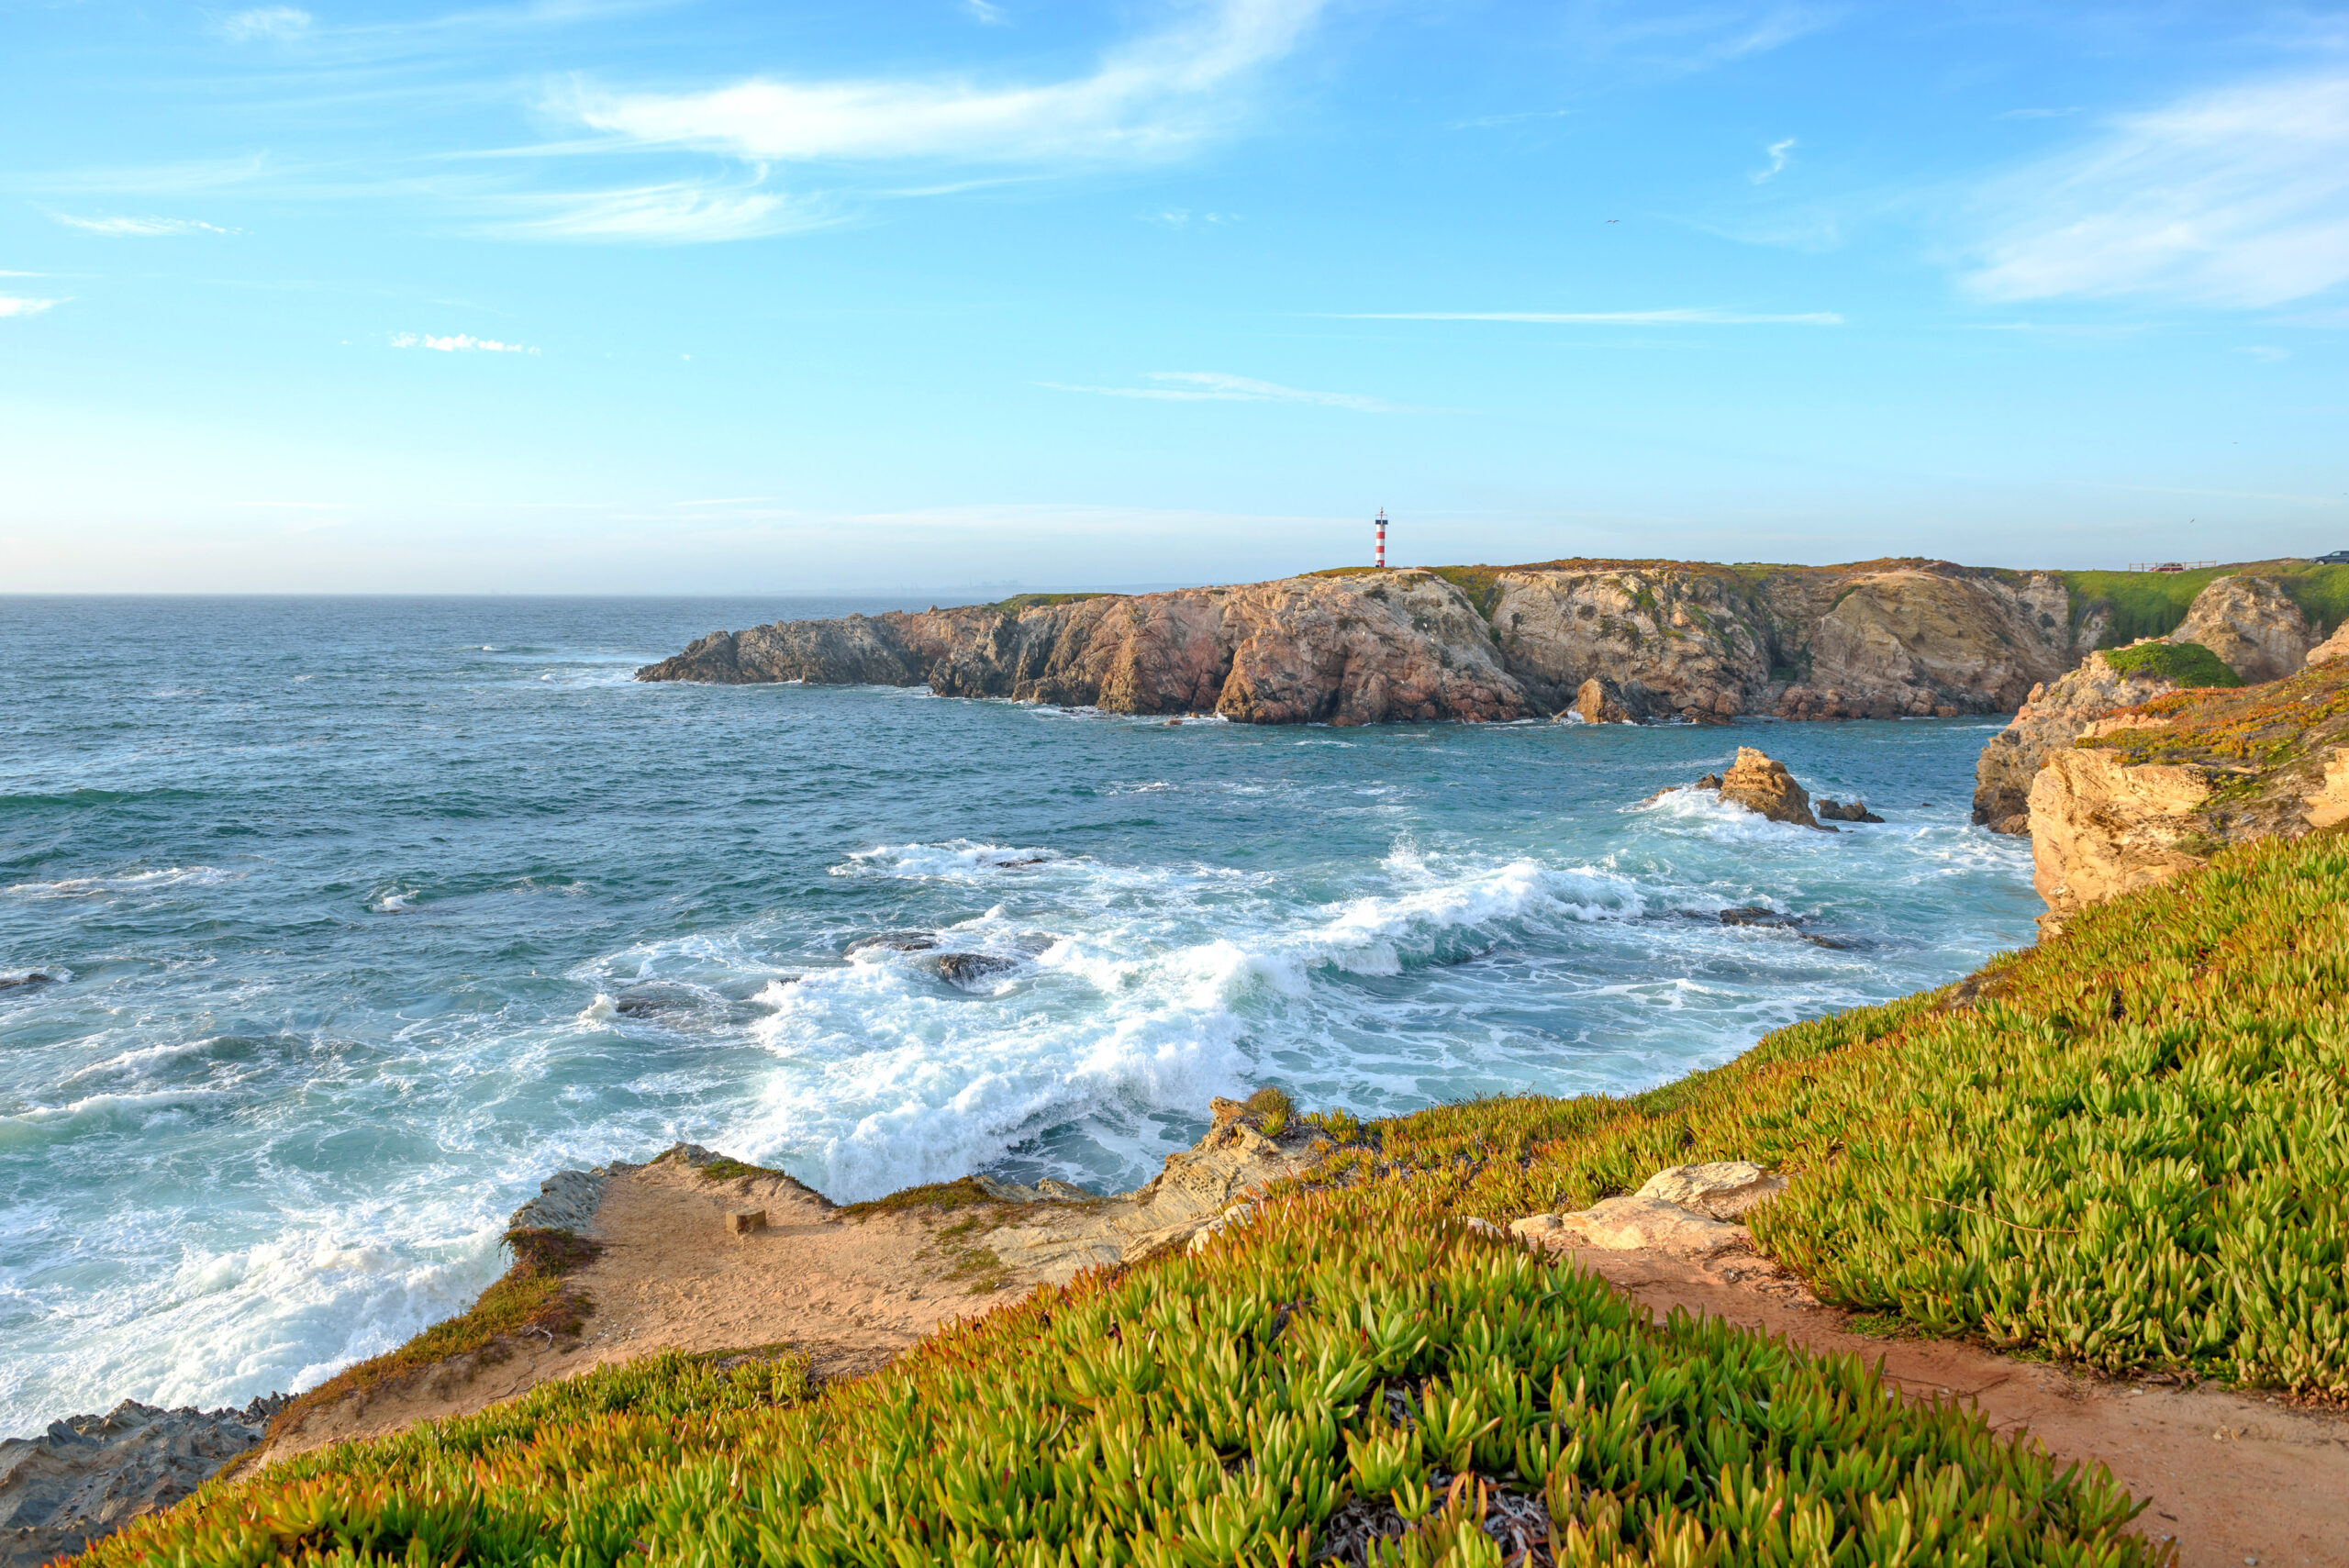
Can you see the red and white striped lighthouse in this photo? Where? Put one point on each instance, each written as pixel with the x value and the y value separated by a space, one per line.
pixel 1380 563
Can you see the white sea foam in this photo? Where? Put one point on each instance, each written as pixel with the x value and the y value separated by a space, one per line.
pixel 125 882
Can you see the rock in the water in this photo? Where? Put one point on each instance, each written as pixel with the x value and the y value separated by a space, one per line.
pixel 1603 701
pixel 33 981
pixel 898 941
pixel 973 971
pixel 2250 624
pixel 1836 811
pixel 1711 780
pixel 88 1475
pixel 2054 717
pixel 1757 915
pixel 1720 1189
pixel 1761 784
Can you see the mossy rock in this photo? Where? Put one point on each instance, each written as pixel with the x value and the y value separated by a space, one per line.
pixel 2187 663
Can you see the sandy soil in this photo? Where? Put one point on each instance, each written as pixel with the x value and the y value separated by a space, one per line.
pixel 2235 1479
pixel 850 1294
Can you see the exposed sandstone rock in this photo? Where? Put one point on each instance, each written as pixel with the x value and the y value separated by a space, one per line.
pixel 1704 643
pixel 1720 1189
pixel 1761 784
pixel 2332 648
pixel 1603 701
pixel 1198 1190
pixel 88 1475
pixel 2054 717
pixel 2249 623
pixel 2099 828
pixel 2328 804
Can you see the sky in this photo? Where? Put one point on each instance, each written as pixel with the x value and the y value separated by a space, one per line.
pixel 694 296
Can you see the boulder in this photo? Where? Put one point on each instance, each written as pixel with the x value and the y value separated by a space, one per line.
pixel 973 971
pixel 1719 1189
pixel 1621 1224
pixel 1603 701
pixel 2250 624
pixel 1761 784
pixel 1836 811
pixel 33 981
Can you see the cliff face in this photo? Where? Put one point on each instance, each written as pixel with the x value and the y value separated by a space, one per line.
pixel 2054 717
pixel 2249 623
pixel 2148 792
pixel 1875 640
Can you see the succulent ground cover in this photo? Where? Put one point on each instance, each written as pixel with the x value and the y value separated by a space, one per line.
pixel 2127 1149
pixel 2187 663
pixel 1354 1369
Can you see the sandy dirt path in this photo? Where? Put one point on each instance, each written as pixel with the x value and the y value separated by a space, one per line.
pixel 2235 1479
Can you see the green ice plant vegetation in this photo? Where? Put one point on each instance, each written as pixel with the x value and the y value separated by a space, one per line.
pixel 2127 1148
pixel 1356 1353
pixel 2187 663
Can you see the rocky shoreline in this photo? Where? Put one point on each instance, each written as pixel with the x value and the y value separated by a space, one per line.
pixel 88 1475
pixel 1670 640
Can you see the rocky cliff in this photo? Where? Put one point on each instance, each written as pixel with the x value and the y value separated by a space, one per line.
pixel 2245 622
pixel 2156 789
pixel 87 1475
pixel 1878 639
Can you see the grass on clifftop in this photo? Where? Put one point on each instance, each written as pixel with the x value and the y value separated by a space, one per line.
pixel 2187 663
pixel 1354 1364
pixel 2127 1148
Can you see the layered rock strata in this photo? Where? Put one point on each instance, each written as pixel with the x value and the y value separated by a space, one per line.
pixel 1880 640
pixel 88 1475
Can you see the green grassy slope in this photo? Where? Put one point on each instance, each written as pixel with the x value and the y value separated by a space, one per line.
pixel 1359 1353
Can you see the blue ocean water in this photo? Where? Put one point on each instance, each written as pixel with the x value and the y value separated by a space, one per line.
pixel 366 914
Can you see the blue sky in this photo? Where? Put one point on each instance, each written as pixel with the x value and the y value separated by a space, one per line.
pixel 592 296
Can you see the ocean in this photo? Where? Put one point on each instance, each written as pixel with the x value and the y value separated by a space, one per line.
pixel 364 914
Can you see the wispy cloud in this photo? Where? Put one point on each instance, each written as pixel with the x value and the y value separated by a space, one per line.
pixel 11 304
pixel 1777 151
pixel 1685 318
pixel 1213 387
pixel 2237 197
pixel 1487 122
pixel 457 343
pixel 990 13
pixel 2040 114
pixel 139 228
pixel 2266 353
pixel 678 212
pixel 265 22
pixel 1615 34
pixel 1149 97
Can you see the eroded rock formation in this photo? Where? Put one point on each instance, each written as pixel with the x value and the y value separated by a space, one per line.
pixel 2054 717
pixel 1761 784
pixel 2249 623
pixel 1880 640
pixel 88 1475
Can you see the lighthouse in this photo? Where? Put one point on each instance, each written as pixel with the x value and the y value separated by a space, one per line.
pixel 1379 562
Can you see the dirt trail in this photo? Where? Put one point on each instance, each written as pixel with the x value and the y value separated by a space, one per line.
pixel 849 1293
pixel 2232 1478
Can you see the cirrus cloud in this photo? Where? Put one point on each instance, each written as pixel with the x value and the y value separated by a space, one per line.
pixel 1148 97
pixel 1215 386
pixel 2234 198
